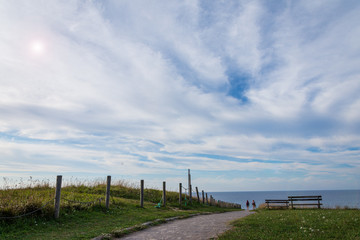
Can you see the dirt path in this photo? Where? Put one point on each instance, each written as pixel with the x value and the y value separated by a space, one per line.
pixel 199 227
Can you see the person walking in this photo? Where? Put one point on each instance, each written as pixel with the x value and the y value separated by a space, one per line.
pixel 247 204
pixel 253 204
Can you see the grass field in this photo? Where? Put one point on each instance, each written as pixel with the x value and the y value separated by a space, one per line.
pixel 84 221
pixel 298 224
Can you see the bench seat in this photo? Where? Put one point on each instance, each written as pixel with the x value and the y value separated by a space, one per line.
pixel 277 202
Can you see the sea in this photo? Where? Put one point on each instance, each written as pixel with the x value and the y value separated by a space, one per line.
pixel 330 198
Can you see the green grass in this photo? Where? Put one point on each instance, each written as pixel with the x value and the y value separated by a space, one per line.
pixel 298 224
pixel 81 221
pixel 87 224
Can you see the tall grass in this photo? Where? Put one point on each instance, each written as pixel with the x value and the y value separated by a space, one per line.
pixel 27 196
pixel 79 220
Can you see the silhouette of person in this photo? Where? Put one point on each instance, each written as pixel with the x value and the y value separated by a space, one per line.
pixel 247 204
pixel 253 204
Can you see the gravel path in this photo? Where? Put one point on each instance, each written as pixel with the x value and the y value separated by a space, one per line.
pixel 199 227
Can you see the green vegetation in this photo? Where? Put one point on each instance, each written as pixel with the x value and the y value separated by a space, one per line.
pixel 298 224
pixel 84 221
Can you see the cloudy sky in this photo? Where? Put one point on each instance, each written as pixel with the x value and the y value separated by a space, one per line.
pixel 250 95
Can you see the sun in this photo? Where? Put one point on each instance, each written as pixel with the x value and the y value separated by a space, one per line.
pixel 37 47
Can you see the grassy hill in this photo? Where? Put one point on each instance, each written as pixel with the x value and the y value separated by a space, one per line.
pixel 83 214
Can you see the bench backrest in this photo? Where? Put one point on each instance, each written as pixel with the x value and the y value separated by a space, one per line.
pixel 305 198
pixel 276 201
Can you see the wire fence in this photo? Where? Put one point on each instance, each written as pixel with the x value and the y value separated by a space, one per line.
pixel 106 200
pixel 29 213
pixel 84 203
pixel 51 200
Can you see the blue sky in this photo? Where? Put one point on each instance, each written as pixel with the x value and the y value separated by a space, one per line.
pixel 250 95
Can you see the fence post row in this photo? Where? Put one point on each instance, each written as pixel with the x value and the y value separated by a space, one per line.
pixel 57 196
pixel 141 193
pixel 180 193
pixel 107 200
pixel 164 193
pixel 108 182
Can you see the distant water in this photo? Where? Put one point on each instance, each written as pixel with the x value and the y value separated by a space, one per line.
pixel 331 198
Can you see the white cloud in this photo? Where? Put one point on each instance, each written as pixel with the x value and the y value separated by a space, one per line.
pixel 142 88
pixel 244 38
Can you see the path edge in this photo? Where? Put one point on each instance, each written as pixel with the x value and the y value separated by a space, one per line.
pixel 139 227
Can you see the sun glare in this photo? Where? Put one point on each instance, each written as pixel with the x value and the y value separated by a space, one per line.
pixel 37 47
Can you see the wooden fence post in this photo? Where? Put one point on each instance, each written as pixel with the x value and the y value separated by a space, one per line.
pixel 180 193
pixel 108 183
pixel 141 193
pixel 164 193
pixel 190 191
pixel 207 202
pixel 197 193
pixel 210 200
pixel 57 196
pixel 203 197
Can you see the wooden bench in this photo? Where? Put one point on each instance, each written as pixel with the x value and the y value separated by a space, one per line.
pixel 277 202
pixel 312 199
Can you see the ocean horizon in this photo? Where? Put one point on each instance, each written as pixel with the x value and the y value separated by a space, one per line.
pixel 330 198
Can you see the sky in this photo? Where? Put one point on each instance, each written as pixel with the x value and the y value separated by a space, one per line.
pixel 249 95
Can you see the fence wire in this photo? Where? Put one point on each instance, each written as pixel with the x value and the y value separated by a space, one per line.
pixel 29 213
pixel 87 203
pixel 47 203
